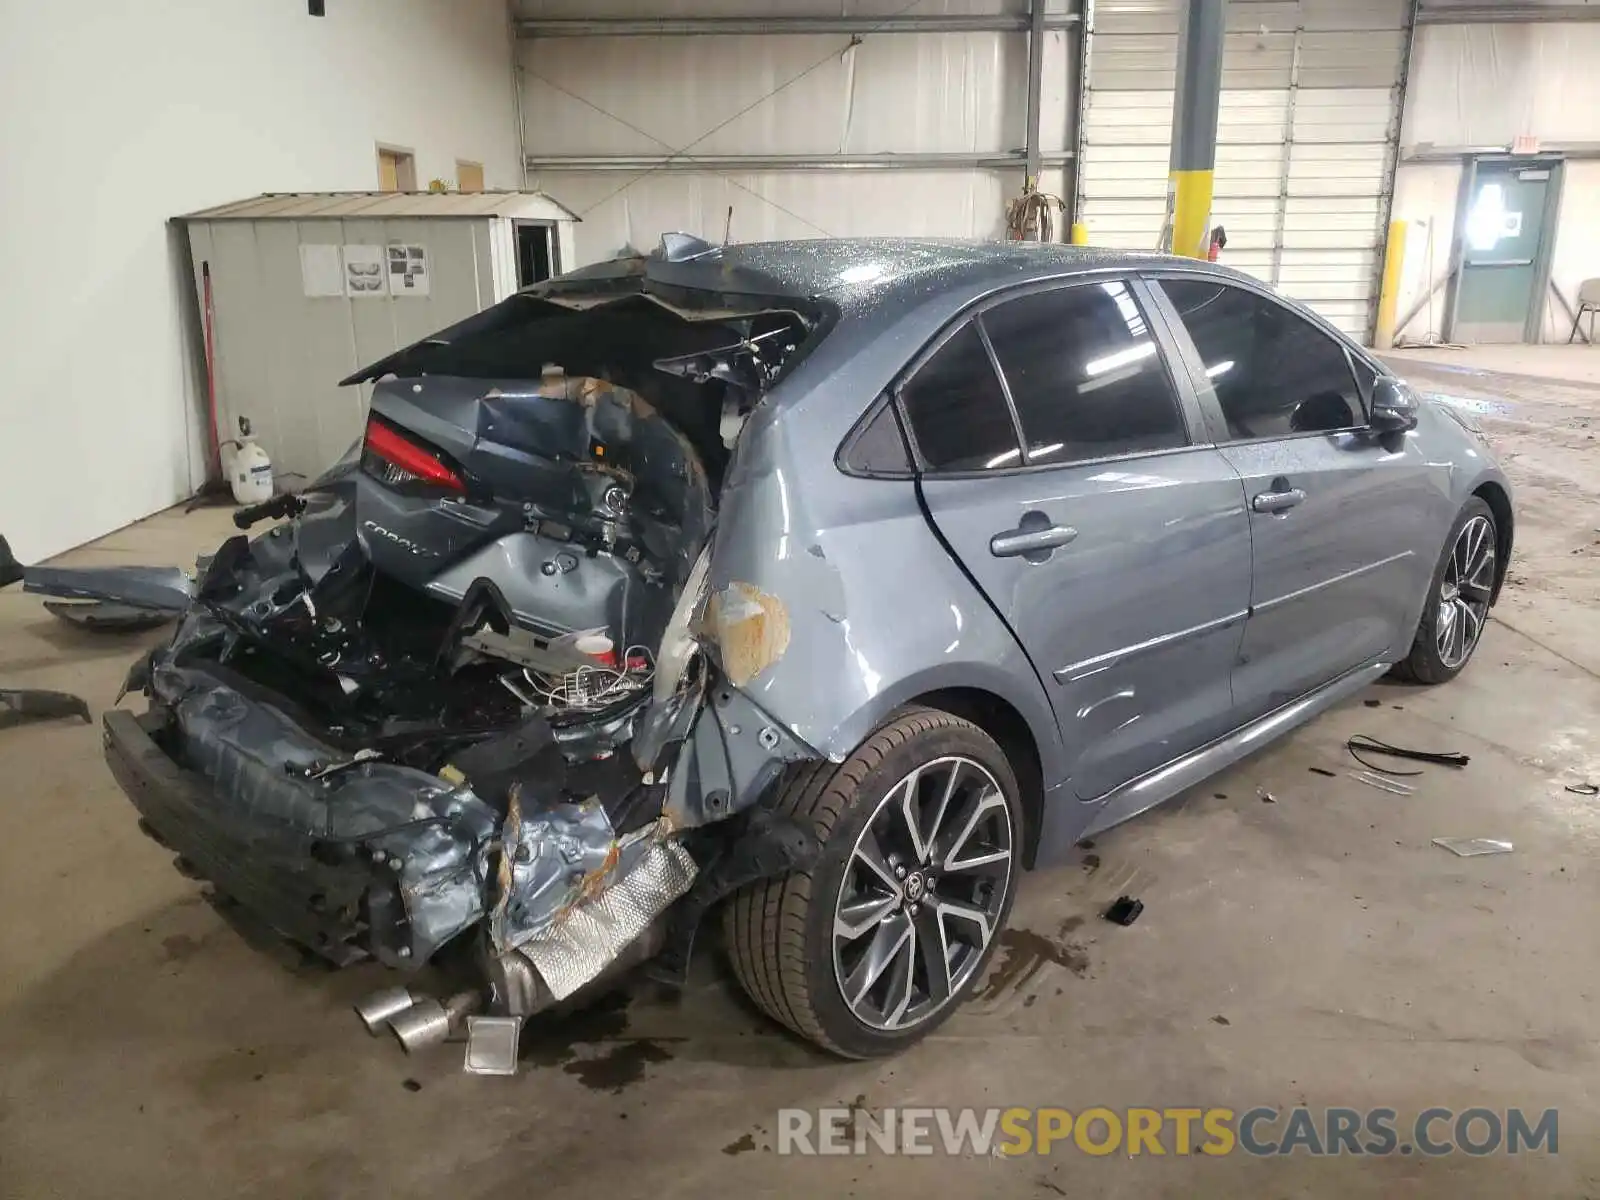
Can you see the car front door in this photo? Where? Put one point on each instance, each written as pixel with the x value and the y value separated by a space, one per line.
pixel 1060 464
pixel 1334 510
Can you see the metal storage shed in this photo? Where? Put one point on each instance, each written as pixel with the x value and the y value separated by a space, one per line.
pixel 304 288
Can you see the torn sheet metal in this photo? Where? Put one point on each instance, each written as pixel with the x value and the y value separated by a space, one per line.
pixel 575 949
pixel 34 704
pixel 146 587
pixel 548 863
pixel 108 616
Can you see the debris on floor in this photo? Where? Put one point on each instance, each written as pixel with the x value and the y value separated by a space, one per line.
pixel 108 616
pixel 1465 847
pixel 1583 789
pixel 10 568
pixel 1124 910
pixel 1324 772
pixel 1383 783
pixel 1371 745
pixel 492 1045
pixel 166 588
pixel 34 704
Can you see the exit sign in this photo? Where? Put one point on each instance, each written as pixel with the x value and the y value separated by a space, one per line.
pixel 1524 143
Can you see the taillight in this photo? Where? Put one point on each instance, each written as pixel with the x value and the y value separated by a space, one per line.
pixel 394 458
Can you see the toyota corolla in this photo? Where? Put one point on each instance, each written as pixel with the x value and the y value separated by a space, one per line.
pixel 825 586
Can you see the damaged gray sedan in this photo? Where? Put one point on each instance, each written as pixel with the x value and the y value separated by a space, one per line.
pixel 828 584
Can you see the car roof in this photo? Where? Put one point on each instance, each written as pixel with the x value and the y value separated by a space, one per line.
pixel 853 271
pixel 857 275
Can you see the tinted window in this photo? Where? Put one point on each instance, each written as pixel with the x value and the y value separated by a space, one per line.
pixel 1085 373
pixel 878 448
pixel 957 411
pixel 1275 373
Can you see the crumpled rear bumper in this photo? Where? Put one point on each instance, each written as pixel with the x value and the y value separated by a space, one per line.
pixel 316 906
pixel 352 855
pixel 377 859
pixel 361 857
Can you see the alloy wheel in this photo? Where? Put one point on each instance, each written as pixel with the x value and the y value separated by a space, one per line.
pixel 1464 592
pixel 922 893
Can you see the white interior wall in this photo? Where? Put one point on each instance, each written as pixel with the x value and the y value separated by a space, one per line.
pixel 1481 86
pixel 1577 248
pixel 771 8
pixel 1425 197
pixel 892 93
pixel 127 115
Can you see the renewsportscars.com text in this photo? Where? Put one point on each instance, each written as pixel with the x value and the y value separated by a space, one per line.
pixel 1135 1132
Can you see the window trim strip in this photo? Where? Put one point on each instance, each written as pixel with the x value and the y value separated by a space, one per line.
pixel 1024 459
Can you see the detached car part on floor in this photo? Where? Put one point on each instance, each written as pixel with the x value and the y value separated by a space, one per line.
pixel 740 578
pixel 20 705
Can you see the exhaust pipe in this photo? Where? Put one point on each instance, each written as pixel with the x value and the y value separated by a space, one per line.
pixel 378 1009
pixel 428 1023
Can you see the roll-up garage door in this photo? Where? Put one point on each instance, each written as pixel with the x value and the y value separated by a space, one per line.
pixel 1305 142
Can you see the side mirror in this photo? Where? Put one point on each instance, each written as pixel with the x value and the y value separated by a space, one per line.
pixel 1394 406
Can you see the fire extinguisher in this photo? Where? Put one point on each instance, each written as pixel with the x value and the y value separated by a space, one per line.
pixel 1219 239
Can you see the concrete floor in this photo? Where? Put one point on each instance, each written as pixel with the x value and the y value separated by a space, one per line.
pixel 1313 950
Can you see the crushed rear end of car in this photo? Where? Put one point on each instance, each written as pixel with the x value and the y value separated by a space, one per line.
pixel 471 704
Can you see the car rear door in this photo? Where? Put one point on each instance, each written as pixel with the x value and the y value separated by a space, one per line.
pixel 1334 510
pixel 1063 468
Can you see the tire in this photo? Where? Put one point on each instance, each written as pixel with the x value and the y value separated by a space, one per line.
pixel 781 933
pixel 1450 607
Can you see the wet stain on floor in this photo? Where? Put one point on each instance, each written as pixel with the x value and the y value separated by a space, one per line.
pixel 1023 952
pixel 178 947
pixel 618 1065
pixel 554 1040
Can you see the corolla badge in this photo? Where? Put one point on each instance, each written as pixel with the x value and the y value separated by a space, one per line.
pixel 404 543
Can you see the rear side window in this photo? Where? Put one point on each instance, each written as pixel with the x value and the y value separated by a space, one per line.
pixel 1275 374
pixel 878 447
pixel 1085 374
pixel 957 411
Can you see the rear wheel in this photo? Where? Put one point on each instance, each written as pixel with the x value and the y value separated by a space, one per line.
pixel 1457 607
pixel 879 942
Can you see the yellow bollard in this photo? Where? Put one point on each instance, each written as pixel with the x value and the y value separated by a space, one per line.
pixel 1080 234
pixel 1394 257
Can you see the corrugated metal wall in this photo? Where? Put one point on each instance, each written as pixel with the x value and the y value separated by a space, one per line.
pixel 1305 143
pixel 789 94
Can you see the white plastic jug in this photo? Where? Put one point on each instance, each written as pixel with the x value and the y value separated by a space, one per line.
pixel 249 469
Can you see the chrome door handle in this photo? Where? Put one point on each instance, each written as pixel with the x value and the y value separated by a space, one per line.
pixel 1277 502
pixel 1030 541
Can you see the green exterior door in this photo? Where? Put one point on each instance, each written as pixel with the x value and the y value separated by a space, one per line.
pixel 1502 243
